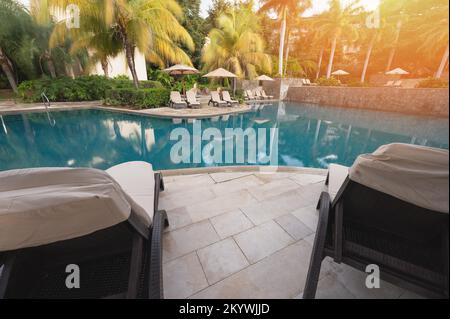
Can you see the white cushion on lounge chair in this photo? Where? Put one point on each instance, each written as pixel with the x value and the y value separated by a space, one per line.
pixel 416 174
pixel 45 205
pixel 137 179
pixel 337 176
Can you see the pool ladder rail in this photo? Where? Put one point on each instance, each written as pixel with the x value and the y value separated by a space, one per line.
pixel 46 102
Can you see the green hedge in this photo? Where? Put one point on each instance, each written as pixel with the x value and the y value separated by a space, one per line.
pixel 84 88
pixel 138 98
pixel 323 81
pixel 432 83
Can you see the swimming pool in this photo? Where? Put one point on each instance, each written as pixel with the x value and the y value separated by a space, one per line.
pixel 308 136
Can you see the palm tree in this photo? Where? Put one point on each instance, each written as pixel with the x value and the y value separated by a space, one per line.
pixel 236 44
pixel 285 9
pixel 434 35
pixel 93 35
pixel 15 29
pixel 338 23
pixel 394 16
pixel 150 26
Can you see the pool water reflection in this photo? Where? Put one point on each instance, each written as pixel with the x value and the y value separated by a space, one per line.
pixel 309 136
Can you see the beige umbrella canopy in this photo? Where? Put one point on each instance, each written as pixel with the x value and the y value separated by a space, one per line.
pixel 181 69
pixel 397 71
pixel 340 72
pixel 222 73
pixel 264 78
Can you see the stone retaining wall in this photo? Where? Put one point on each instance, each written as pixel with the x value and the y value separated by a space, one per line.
pixel 434 102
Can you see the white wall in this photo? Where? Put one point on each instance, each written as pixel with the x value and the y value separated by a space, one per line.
pixel 119 66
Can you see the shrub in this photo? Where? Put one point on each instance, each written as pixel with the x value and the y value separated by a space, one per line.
pixel 432 83
pixel 323 81
pixel 138 98
pixel 84 88
pixel 358 84
pixel 151 84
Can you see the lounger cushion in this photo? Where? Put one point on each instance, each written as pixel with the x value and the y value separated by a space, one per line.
pixel 46 205
pixel 416 174
pixel 337 176
pixel 137 179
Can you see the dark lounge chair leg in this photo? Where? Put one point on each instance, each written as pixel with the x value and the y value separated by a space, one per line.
pixel 135 266
pixel 156 289
pixel 317 254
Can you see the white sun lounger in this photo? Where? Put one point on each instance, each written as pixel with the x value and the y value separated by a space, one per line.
pixel 80 215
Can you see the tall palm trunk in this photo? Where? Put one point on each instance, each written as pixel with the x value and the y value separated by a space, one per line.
pixel 442 65
pixel 6 67
pixel 49 62
pixel 282 38
pixel 129 53
pixel 319 64
pixel 287 52
pixel 368 55
pixel 104 63
pixel 330 63
pixel 394 48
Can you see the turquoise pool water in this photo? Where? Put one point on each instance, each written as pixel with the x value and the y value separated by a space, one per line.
pixel 308 135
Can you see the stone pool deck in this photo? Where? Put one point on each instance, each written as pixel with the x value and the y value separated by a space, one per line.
pixel 9 107
pixel 247 234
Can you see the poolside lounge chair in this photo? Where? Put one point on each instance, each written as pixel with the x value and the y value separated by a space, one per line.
pixel 191 100
pixel 105 223
pixel 227 98
pixel 176 101
pixel 389 209
pixel 398 84
pixel 216 100
pixel 249 95
pixel 257 94
pixel 264 95
pixel 389 83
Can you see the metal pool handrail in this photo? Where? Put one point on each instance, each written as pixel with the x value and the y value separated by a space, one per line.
pixel 46 102
pixel 3 124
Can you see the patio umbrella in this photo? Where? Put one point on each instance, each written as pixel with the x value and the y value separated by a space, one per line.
pixel 180 70
pixel 264 78
pixel 339 73
pixel 397 71
pixel 222 73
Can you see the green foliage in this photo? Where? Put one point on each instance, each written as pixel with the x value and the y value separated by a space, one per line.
pixel 356 83
pixel 195 26
pixel 138 98
pixel 162 77
pixel 433 83
pixel 118 92
pixel 323 81
pixel 85 88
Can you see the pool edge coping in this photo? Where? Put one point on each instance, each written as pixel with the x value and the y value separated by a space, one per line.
pixel 244 169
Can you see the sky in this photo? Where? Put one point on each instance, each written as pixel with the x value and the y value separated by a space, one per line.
pixel 318 6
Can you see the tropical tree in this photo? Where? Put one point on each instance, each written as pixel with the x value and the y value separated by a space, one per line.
pixel 285 9
pixel 236 44
pixel 150 26
pixel 195 25
pixel 294 22
pixel 339 23
pixel 434 35
pixel 16 42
